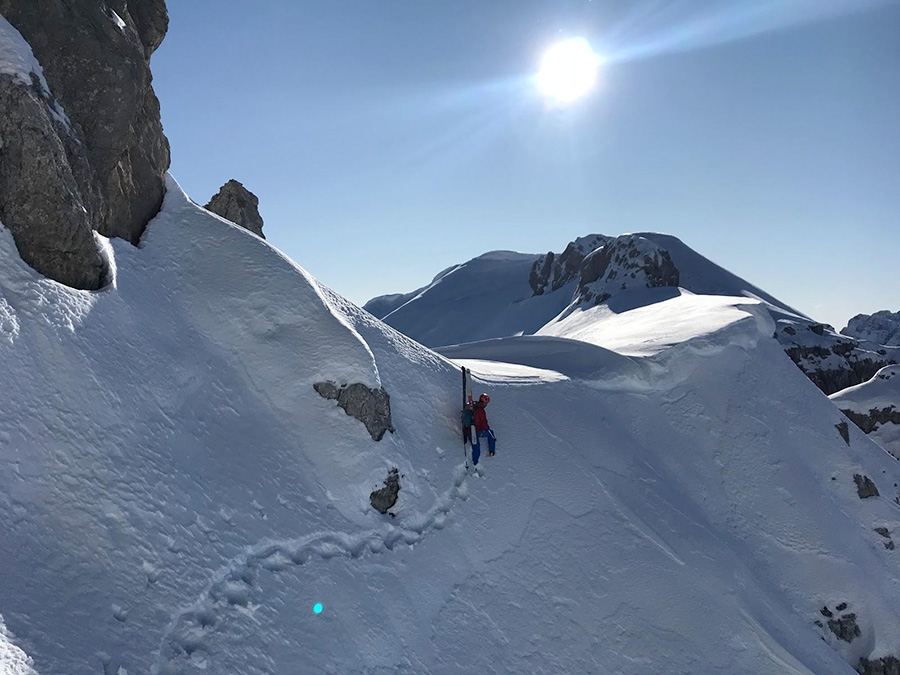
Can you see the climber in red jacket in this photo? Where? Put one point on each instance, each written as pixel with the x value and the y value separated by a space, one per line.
pixel 482 429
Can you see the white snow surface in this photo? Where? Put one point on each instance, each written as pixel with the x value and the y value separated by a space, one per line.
pixel 16 57
pixel 17 60
pixel 645 322
pixel 13 661
pixel 176 496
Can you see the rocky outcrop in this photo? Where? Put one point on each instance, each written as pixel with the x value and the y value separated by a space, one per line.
pixel 384 498
pixel 96 57
pixel 864 486
pixel 886 533
pixel 845 627
pixel 42 171
pixel 372 407
pixel 236 203
pixel 832 361
pixel 882 328
pixel 627 262
pixel 840 622
pixel 871 420
pixel 888 665
pixel 844 430
pixel 551 272
pixel 874 406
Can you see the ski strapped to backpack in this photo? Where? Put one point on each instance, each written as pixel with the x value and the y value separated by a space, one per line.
pixel 468 412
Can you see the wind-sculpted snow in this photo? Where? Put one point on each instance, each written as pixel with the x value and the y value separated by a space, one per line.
pixel 13 661
pixel 177 498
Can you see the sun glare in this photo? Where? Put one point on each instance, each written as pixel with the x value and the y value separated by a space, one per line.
pixel 568 70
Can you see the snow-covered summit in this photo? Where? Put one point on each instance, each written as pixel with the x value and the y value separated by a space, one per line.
pixel 477 300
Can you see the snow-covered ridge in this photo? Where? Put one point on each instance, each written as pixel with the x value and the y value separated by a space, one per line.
pixel 479 302
pixel 178 496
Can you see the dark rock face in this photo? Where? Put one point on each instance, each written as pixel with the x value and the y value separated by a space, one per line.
pixel 889 665
pixel 372 407
pixel 551 272
pixel 845 627
pixel 882 327
pixel 864 486
pixel 42 169
pixel 832 361
pixel 886 533
pixel 844 430
pixel 628 261
pixel 236 203
pixel 384 498
pixel 96 59
pixel 870 421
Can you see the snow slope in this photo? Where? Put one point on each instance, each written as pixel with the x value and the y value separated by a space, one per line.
pixel 877 405
pixel 176 497
pixel 489 296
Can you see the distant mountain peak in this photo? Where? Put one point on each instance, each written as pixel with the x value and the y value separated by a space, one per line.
pixel 882 327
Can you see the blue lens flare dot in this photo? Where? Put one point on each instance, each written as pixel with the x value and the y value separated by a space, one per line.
pixel 317 608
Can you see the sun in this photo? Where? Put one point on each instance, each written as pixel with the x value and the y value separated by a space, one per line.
pixel 568 70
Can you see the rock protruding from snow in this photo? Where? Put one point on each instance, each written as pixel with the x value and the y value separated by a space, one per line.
pixel 370 406
pixel 551 272
pixel 384 498
pixel 864 486
pixel 888 665
pixel 882 327
pixel 43 171
pixel 870 421
pixel 845 627
pixel 627 262
pixel 874 406
pixel 96 59
pixel 844 430
pixel 236 203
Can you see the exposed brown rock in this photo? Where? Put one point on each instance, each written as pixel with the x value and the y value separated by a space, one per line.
pixel 372 407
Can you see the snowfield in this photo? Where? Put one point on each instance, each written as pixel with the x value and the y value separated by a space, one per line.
pixel 672 497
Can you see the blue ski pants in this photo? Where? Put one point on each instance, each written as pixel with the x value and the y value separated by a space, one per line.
pixel 487 434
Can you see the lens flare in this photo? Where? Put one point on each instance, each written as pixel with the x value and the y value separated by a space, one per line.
pixel 317 608
pixel 568 70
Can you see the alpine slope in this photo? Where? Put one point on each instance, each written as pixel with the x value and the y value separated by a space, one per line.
pixel 177 498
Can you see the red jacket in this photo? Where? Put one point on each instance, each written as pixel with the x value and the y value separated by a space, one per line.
pixel 481 423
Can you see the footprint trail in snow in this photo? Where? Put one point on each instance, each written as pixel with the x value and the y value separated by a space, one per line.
pixel 233 585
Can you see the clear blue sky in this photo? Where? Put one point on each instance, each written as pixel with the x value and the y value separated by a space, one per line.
pixel 390 139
